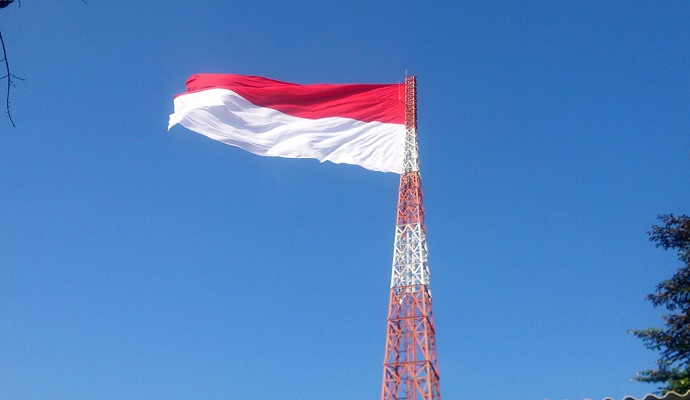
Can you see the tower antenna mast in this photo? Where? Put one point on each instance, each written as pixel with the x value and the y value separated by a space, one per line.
pixel 410 369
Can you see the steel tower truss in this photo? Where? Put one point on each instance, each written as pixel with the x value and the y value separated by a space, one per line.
pixel 410 369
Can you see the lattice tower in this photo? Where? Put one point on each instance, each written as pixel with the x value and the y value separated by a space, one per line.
pixel 410 369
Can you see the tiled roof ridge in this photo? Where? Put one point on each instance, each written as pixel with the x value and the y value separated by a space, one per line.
pixel 668 396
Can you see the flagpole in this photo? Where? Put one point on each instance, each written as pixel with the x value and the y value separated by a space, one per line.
pixel 410 368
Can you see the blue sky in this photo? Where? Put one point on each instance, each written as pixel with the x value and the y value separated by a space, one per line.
pixel 137 263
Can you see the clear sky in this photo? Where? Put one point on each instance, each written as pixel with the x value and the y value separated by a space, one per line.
pixel 137 263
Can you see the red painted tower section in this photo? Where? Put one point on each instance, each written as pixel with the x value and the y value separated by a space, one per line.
pixel 410 369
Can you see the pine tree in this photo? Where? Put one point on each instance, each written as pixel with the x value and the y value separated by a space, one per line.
pixel 673 340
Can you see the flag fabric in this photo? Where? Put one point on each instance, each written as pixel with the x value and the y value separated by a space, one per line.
pixel 360 124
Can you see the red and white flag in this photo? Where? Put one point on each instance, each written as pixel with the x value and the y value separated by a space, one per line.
pixel 358 124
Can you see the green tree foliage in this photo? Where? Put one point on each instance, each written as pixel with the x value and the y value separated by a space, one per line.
pixel 673 340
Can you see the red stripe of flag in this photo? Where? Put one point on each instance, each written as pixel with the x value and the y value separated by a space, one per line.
pixel 363 102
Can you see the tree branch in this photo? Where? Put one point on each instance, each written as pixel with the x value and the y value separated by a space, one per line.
pixel 10 81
